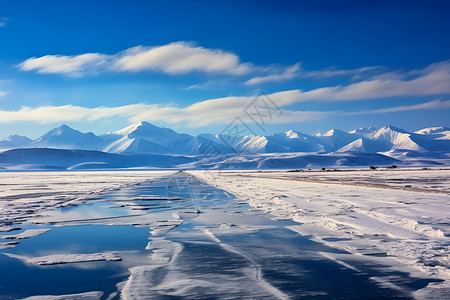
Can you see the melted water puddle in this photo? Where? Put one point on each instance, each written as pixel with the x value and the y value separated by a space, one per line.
pixel 179 237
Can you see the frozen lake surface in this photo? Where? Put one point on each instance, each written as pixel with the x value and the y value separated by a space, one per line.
pixel 175 236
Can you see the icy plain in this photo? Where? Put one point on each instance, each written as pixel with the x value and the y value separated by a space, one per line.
pixel 404 214
pixel 157 234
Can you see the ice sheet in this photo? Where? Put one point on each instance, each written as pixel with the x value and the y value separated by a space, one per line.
pixel 413 227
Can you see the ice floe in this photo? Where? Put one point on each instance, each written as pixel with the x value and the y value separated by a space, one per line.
pixel 8 245
pixel 66 258
pixel 29 233
pixel 81 296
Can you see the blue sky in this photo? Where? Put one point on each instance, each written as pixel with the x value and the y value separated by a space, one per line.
pixel 195 66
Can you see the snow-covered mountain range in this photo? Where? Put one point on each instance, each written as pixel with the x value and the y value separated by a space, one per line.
pixel 146 145
pixel 146 138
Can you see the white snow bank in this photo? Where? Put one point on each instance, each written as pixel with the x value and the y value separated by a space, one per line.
pixel 412 227
pixel 66 258
pixel 82 296
pixel 29 233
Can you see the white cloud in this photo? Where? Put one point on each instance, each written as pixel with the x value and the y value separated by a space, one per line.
pixel 332 72
pixel 223 110
pixel 215 111
pixel 3 22
pixel 436 104
pixel 180 58
pixel 433 80
pixel 277 74
pixel 4 82
pixel 55 114
pixel 287 74
pixel 210 85
pixel 75 65
pixel 173 59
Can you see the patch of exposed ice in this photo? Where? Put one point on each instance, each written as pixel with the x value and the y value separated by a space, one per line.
pixel 82 296
pixel 66 258
pixel 29 233
pixel 257 272
pixel 232 228
pixel 142 281
pixel 160 228
pixel 163 251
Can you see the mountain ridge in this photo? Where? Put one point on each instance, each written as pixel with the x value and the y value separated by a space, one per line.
pixel 146 138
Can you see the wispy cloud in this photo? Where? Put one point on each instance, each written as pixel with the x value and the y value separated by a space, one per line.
pixel 3 21
pixel 182 58
pixel 209 112
pixel 75 66
pixel 288 73
pixel 174 58
pixel 296 71
pixel 432 80
pixel 436 104
pixel 55 114
pixel 334 72
pixel 4 82
pixel 209 85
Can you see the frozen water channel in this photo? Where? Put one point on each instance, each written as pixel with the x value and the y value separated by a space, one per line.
pixel 178 237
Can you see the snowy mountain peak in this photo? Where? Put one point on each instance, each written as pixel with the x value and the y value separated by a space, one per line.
pixel 66 137
pixel 144 137
pixel 61 130
pixel 363 131
pixel 132 128
pixel 334 132
pixel 292 134
pixel 144 129
pixel 357 145
pixel 390 137
pixel 16 138
pixel 15 141
pixel 432 130
pixel 393 128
